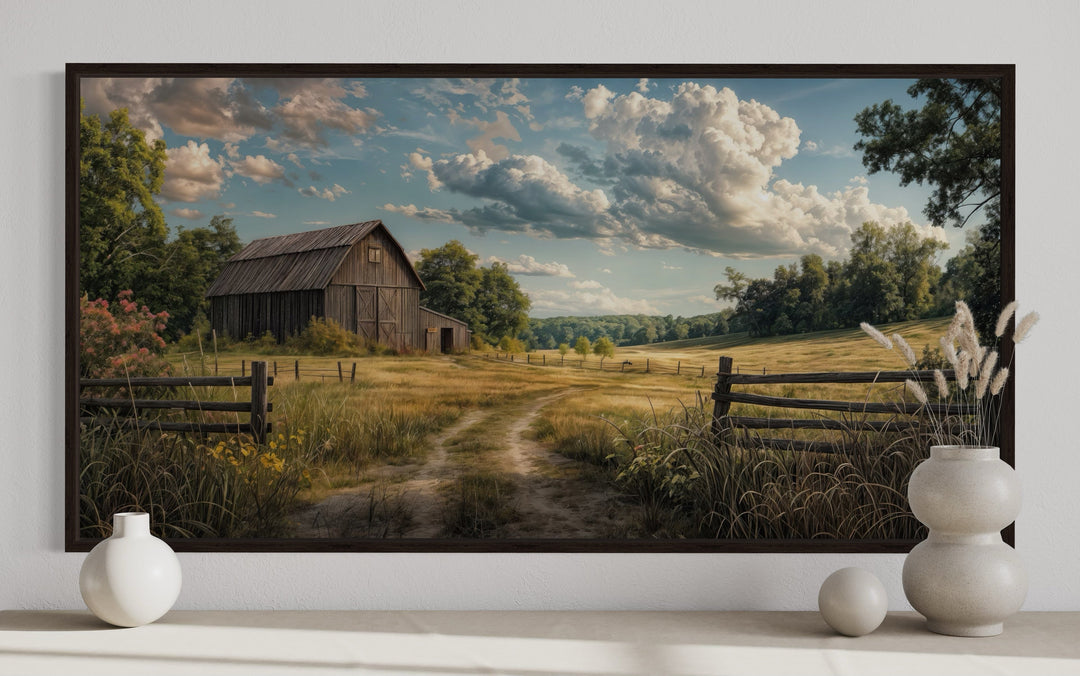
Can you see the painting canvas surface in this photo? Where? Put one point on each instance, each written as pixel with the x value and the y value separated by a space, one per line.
pixel 486 310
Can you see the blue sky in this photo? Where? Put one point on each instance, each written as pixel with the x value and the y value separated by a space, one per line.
pixel 602 196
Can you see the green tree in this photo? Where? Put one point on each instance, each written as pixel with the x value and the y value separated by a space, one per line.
pixel 874 284
pixel 190 264
pixel 451 280
pixel 604 347
pixel 953 143
pixel 563 349
pixel 913 256
pixel 122 231
pixel 582 347
pixel 500 301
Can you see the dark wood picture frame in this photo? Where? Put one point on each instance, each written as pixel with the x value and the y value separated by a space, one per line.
pixel 76 72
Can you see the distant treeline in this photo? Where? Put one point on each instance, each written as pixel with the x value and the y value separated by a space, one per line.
pixel 888 276
pixel 548 333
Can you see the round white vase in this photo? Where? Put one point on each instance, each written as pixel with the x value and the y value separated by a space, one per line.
pixel 130 578
pixel 963 578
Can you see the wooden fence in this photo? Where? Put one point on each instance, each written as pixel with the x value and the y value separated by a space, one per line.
pixel 258 407
pixel 616 364
pixel 281 369
pixel 725 424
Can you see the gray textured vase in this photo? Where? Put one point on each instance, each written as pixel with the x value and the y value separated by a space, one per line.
pixel 963 578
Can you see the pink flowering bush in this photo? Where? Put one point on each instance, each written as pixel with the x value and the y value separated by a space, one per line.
pixel 121 340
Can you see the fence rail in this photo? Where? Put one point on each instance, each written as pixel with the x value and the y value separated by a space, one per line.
pixel 258 407
pixel 724 424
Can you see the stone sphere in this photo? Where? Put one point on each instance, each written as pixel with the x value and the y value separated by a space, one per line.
pixel 853 601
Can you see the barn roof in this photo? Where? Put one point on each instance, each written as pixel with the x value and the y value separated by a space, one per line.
pixel 301 261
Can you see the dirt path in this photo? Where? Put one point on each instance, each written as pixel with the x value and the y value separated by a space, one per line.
pixel 405 494
pixel 551 499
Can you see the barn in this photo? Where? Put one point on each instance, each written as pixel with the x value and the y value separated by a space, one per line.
pixel 357 275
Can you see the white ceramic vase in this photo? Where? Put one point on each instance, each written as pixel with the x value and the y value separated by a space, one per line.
pixel 131 578
pixel 963 578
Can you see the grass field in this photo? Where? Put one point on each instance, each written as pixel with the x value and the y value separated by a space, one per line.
pixel 629 447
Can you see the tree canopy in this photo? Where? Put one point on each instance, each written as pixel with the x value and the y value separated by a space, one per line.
pixel 953 143
pixel 487 298
pixel 124 241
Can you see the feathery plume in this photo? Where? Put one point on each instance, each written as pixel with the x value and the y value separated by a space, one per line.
pixel 1024 326
pixel 976 361
pixel 963 313
pixel 880 337
pixel 985 371
pixel 942 384
pixel 1004 317
pixel 999 381
pixel 949 350
pixel 962 371
pixel 917 390
pixel 905 349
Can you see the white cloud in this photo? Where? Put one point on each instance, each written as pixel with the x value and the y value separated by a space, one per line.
pixel 295 160
pixel 232 150
pixel 190 214
pixel 819 148
pixel 605 270
pixel 331 193
pixel 810 146
pixel 858 180
pixel 575 94
pixel 643 85
pixel 260 169
pixel 263 214
pixel 587 298
pixel 665 266
pixel 527 265
pixel 191 174
pixel 316 222
pixel 425 214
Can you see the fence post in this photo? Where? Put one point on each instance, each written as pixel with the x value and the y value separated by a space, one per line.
pixel 646 366
pixel 723 386
pixel 213 333
pixel 258 401
pixel 243 368
pixel 352 377
pixel 297 371
pixel 340 377
pixel 275 368
pixel 545 360
pixel 678 368
pixel 528 358
pixel 702 371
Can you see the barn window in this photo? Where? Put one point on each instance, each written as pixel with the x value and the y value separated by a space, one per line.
pixel 374 255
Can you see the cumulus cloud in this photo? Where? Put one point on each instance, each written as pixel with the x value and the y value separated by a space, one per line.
pixel 695 169
pixel 643 85
pixel 260 169
pixel 527 265
pixel 309 109
pixel 191 174
pixel 218 108
pixel 525 193
pixel 587 297
pixel 184 212
pixel 331 193
pixel 295 160
pixel 575 93
pixel 263 214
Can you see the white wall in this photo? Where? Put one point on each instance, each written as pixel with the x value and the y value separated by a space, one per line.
pixel 37 39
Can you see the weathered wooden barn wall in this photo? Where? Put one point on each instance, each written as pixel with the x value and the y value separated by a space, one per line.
pixel 283 314
pixel 442 333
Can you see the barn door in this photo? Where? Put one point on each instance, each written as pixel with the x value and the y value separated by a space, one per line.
pixel 365 312
pixel 388 314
